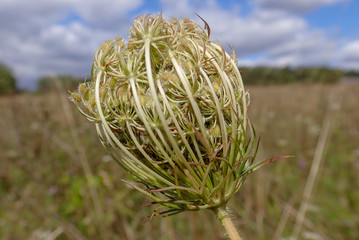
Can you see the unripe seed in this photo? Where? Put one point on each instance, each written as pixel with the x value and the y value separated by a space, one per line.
pixel 82 87
pixel 166 76
pixel 76 97
pixel 216 131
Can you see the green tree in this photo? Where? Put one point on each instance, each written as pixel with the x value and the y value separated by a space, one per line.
pixel 268 75
pixel 7 80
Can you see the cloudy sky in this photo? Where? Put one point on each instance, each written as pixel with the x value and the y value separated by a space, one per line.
pixel 42 37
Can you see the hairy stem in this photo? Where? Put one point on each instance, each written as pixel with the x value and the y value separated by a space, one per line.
pixel 224 218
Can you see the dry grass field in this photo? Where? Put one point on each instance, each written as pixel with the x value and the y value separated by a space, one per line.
pixel 57 182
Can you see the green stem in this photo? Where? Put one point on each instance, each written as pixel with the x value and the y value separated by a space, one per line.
pixel 227 223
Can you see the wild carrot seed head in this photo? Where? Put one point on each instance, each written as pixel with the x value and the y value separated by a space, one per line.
pixel 170 105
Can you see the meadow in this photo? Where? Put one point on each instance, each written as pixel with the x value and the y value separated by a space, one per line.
pixel 57 181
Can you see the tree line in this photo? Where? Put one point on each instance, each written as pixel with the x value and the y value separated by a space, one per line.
pixel 251 75
pixel 286 75
pixel 8 82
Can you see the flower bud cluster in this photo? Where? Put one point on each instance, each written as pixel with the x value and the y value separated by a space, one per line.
pixel 170 105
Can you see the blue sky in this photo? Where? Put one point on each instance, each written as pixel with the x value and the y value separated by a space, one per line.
pixel 43 37
pixel 341 17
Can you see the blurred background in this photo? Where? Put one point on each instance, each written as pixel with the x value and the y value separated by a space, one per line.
pixel 300 63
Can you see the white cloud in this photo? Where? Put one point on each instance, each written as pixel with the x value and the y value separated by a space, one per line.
pixel 40 37
pixel 106 14
pixel 276 36
pixel 181 8
pixel 257 32
pixel 348 56
pixel 295 5
pixel 304 49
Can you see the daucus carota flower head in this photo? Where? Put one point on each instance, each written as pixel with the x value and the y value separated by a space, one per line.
pixel 170 106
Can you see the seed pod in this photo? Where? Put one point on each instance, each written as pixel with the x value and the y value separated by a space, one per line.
pixel 180 106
